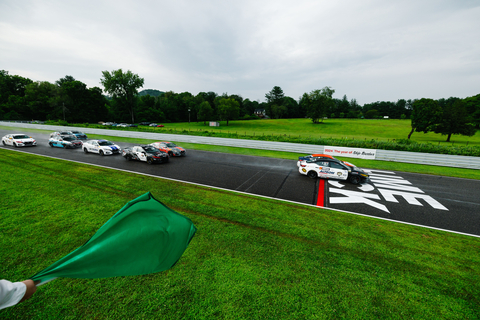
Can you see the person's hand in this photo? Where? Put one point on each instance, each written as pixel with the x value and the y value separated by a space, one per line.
pixel 31 288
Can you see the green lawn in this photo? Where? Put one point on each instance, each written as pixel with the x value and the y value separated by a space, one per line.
pixel 383 130
pixel 252 258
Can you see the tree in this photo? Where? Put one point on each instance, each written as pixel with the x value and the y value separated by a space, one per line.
pixel 473 108
pixel 205 112
pixel 278 111
pixel 123 87
pixel 42 99
pixel 292 107
pixel 425 114
pixel 228 109
pixel 318 102
pixel 454 119
pixel 12 96
pixel 274 97
pixel 372 114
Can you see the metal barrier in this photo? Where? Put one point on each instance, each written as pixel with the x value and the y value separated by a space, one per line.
pixel 385 155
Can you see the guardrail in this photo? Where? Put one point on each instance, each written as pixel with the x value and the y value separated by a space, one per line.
pixel 385 155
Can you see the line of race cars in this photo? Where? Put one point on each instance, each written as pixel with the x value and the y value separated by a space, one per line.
pixel 314 166
pixel 157 152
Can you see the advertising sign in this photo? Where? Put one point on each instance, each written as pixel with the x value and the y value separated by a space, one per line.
pixel 350 152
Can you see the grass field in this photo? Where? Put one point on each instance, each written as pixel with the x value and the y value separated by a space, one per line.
pixel 360 129
pixel 251 258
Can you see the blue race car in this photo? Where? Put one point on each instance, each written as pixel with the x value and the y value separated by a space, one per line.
pixel 65 141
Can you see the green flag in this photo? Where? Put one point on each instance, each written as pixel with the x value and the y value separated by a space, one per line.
pixel 145 236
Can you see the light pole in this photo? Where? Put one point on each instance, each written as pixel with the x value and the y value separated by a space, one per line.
pixel 189 115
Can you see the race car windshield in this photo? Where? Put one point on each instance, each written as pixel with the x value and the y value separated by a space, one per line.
pixel 77 132
pixel 150 149
pixel 171 145
pixel 105 143
pixel 21 136
pixel 69 138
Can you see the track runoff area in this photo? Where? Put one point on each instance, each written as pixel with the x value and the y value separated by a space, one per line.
pixel 436 202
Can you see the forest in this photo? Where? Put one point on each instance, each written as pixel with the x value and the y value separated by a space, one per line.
pixel 70 100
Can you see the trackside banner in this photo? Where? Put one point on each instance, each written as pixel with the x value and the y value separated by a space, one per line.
pixel 350 152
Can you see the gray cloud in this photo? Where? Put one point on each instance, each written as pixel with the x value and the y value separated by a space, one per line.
pixel 369 50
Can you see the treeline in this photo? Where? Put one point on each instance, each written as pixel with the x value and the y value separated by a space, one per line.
pixel 70 100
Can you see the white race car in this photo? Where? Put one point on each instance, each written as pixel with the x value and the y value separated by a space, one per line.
pixel 326 168
pixel 102 147
pixel 18 140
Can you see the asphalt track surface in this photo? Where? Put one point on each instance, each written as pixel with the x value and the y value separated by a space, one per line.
pixel 439 202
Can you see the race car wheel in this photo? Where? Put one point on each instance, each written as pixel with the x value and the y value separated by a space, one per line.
pixel 85 150
pixel 170 153
pixel 101 153
pixel 355 179
pixel 4 143
pixel 51 144
pixel 149 161
pixel 312 174
pixel 15 145
pixel 128 158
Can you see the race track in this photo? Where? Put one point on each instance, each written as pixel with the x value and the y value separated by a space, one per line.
pixel 434 201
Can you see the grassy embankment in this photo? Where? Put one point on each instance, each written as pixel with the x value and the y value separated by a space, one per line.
pixel 252 258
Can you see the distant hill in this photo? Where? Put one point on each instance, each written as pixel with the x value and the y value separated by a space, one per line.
pixel 151 92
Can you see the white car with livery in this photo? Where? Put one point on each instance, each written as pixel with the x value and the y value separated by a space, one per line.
pixel 102 147
pixel 18 140
pixel 326 168
pixel 145 153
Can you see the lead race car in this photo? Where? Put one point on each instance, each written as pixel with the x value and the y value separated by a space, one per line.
pixel 145 153
pixel 328 167
pixel 102 147
pixel 18 140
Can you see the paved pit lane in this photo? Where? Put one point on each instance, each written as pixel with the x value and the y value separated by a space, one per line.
pixel 433 201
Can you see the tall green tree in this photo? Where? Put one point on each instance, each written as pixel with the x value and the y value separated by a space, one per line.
pixel 455 119
pixel 123 86
pixel 425 114
pixel 318 102
pixel 228 109
pixel 205 112
pixel 274 97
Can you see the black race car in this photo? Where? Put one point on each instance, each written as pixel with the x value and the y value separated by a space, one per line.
pixel 145 153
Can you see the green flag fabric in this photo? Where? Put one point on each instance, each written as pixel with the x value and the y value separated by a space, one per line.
pixel 143 237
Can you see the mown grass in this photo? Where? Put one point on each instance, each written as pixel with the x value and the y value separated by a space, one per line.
pixel 251 258
pixel 359 129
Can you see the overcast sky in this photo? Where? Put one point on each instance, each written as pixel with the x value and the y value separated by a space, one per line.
pixel 371 50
